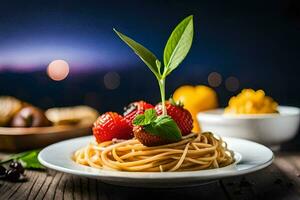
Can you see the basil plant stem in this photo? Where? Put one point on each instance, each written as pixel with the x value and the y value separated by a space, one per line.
pixel 162 84
pixel 176 49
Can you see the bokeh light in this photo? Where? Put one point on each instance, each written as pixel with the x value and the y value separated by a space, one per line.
pixel 58 70
pixel 232 84
pixel 111 80
pixel 214 79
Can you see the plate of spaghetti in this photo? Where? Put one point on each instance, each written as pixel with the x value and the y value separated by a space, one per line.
pixel 193 152
pixel 154 145
pixel 177 164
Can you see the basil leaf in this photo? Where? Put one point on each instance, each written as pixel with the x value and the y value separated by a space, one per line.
pixel 147 56
pixel 146 118
pixel 139 120
pixel 165 127
pixel 158 64
pixel 179 44
pixel 150 115
pixel 30 161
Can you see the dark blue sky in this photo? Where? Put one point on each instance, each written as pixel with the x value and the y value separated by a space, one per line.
pixel 253 40
pixel 230 36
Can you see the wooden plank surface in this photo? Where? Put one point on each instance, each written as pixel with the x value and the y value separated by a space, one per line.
pixel 279 181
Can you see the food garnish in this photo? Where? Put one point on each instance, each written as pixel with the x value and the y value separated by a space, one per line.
pixel 17 165
pixel 148 139
pixel 179 114
pixel 28 159
pixel 14 173
pixel 111 125
pixel 176 49
pixel 250 101
pixel 162 135
pixel 134 109
pixel 155 130
pixel 196 99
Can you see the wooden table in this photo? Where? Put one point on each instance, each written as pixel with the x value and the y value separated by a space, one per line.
pixel 279 181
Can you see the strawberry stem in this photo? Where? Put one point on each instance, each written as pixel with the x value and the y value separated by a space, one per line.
pixel 161 83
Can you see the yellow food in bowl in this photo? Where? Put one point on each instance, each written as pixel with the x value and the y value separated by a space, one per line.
pixel 195 99
pixel 250 101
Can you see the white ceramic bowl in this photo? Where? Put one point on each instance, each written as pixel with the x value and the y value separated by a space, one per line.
pixel 268 129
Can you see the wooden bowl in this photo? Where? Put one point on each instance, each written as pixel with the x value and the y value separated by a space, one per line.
pixel 20 139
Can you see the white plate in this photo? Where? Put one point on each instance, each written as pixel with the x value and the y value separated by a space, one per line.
pixel 250 157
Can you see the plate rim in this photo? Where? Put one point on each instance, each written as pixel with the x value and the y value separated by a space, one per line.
pixel 284 111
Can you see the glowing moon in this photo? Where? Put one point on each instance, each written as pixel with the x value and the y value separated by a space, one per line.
pixel 58 70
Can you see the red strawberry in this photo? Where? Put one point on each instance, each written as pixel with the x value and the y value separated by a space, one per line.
pixel 111 125
pixel 134 109
pixel 181 116
pixel 147 139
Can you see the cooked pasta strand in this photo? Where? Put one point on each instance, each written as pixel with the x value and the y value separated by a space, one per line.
pixel 193 152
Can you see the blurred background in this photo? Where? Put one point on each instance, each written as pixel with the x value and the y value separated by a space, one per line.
pixel 237 44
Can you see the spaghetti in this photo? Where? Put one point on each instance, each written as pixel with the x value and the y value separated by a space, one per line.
pixel 193 152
